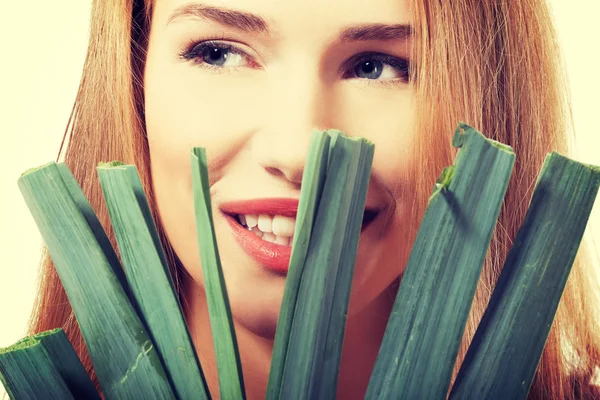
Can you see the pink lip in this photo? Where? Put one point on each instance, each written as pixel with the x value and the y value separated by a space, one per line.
pixel 274 257
pixel 271 206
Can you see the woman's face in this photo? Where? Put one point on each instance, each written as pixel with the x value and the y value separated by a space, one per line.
pixel 249 80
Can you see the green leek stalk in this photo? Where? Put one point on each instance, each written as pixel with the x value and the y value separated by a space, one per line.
pixel 313 180
pixel 425 328
pixel 229 366
pixel 316 333
pixel 124 356
pixel 507 346
pixel 45 365
pixel 149 278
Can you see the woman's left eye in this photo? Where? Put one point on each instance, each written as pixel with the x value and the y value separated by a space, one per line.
pixel 216 55
pixel 378 66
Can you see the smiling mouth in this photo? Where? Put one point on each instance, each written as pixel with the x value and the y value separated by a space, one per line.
pixel 279 229
pixel 264 228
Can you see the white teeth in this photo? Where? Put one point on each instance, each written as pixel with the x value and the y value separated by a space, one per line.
pixel 251 220
pixel 269 237
pixel 277 229
pixel 264 223
pixel 283 226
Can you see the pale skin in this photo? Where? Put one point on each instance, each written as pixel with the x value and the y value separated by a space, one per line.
pixel 253 108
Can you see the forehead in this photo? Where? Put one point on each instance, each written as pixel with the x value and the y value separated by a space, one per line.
pixel 282 17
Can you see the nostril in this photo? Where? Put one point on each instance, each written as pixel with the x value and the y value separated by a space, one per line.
pixel 293 176
pixel 274 171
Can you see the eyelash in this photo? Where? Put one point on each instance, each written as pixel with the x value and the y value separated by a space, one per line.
pixel 400 64
pixel 193 53
pixel 194 50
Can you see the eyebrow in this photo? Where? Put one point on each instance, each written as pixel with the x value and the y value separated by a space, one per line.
pixel 377 32
pixel 243 21
pixel 252 23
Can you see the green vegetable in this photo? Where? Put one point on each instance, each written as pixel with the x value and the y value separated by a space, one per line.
pixel 123 316
pixel 317 329
pixel 149 278
pixel 45 365
pixel 508 344
pixel 229 366
pixel 426 326
pixel 123 354
pixel 313 181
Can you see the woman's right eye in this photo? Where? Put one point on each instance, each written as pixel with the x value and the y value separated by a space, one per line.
pixel 217 55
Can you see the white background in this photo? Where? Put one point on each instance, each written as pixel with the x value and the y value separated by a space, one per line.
pixel 42 47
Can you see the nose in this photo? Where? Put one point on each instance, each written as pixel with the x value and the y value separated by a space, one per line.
pixel 298 105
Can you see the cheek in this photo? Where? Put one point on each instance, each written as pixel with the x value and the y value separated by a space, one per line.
pixel 182 112
pixel 187 108
pixel 385 117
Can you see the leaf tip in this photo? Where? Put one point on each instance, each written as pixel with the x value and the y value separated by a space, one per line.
pixel 111 164
pixel 41 167
pixel 460 134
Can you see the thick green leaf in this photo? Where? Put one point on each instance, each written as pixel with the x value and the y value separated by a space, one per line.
pixel 506 349
pixel 313 180
pixel 231 380
pixel 327 383
pixel 425 328
pixel 45 366
pixel 123 354
pixel 149 278
pixel 317 332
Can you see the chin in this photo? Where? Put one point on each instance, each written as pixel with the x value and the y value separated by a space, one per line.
pixel 258 317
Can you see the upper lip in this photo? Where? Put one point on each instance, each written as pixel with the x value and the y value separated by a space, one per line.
pixel 269 206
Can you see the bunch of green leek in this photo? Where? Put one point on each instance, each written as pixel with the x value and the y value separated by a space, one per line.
pixel 140 346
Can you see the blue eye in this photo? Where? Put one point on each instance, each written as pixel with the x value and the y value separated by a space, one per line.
pixel 216 55
pixel 377 66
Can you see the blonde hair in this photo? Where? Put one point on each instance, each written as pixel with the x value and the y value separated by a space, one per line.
pixel 494 65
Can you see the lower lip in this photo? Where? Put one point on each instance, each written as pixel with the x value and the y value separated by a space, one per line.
pixel 274 257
